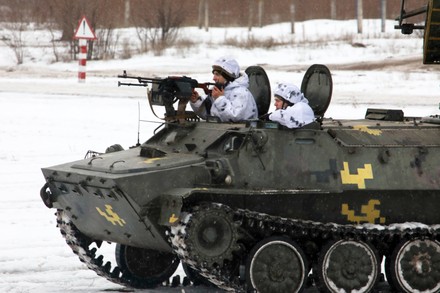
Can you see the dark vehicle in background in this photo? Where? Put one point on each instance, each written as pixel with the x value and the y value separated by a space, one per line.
pixel 254 206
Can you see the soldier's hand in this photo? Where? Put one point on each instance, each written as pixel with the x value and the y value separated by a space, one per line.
pixel 216 92
pixel 194 97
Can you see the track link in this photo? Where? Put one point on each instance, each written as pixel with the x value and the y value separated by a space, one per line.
pixel 261 226
pixel 79 243
pixel 252 223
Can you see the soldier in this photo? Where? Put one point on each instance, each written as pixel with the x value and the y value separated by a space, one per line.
pixel 230 100
pixel 292 108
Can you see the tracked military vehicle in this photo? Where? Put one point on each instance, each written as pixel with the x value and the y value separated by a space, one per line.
pixel 255 206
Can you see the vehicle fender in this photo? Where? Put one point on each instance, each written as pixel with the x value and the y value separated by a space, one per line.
pixel 171 206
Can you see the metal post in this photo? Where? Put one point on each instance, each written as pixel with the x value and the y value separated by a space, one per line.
pixel 206 15
pixel 292 18
pixel 82 60
pixel 251 15
pixel 383 11
pixel 127 13
pixel 260 13
pixel 201 10
pixel 333 9
pixel 359 16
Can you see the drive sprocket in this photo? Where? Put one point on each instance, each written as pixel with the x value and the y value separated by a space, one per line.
pixel 211 235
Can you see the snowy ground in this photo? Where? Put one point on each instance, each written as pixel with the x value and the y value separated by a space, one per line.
pixel 48 118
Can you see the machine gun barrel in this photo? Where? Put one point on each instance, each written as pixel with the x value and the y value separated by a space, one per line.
pixel 144 81
pixel 131 84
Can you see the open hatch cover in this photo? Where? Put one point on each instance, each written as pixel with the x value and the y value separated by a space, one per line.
pixel 317 87
pixel 259 86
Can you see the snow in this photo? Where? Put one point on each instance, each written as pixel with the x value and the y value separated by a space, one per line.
pixel 48 118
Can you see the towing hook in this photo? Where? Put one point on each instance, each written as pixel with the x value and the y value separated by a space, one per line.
pixel 46 194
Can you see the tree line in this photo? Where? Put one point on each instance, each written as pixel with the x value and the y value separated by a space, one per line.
pixel 157 21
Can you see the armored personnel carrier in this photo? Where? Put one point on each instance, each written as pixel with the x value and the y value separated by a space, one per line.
pixel 254 206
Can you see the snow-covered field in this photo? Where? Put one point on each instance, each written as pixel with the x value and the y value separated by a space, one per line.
pixel 47 118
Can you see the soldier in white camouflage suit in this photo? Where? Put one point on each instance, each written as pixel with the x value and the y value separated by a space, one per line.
pixel 292 108
pixel 233 101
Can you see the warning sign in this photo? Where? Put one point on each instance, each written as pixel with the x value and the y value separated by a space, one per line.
pixel 84 30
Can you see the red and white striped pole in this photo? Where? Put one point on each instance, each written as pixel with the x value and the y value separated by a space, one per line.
pixel 82 60
pixel 83 33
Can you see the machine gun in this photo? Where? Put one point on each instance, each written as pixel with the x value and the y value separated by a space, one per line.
pixel 166 91
pixel 183 85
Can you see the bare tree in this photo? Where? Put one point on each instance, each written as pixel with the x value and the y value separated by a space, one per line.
pixel 102 18
pixel 66 14
pixel 157 26
pixel 15 28
pixel 53 41
pixel 14 39
pixel 106 43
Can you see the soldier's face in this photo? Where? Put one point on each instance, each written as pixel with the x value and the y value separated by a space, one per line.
pixel 278 103
pixel 217 77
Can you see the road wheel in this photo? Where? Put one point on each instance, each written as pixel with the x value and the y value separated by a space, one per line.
pixel 414 266
pixel 145 268
pixel 276 264
pixel 347 266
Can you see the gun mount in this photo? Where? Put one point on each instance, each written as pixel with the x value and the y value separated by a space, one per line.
pixel 166 91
